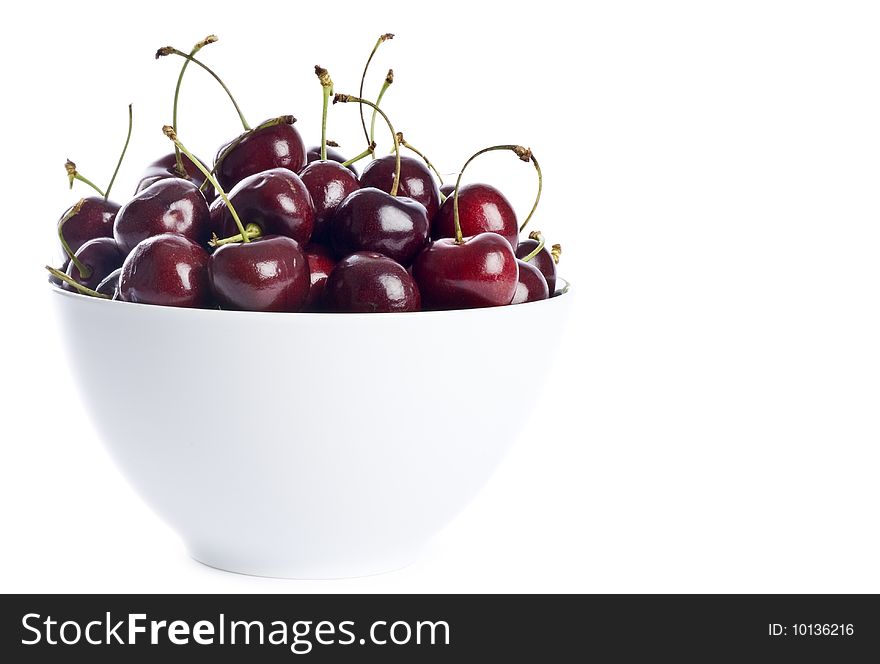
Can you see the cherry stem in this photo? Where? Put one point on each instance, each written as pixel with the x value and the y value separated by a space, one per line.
pixel 83 269
pixel 121 156
pixel 534 235
pixel 538 197
pixel 371 148
pixel 556 252
pixel 171 134
pixel 348 98
pixel 85 290
pixel 251 232
pixel 389 79
pixel 73 174
pixel 210 39
pixel 327 86
pixel 379 41
pixel 170 50
pixel 427 161
pixel 524 154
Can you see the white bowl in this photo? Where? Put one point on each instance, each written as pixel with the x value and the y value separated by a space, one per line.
pixel 307 445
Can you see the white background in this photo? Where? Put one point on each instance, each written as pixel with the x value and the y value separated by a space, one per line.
pixel 712 171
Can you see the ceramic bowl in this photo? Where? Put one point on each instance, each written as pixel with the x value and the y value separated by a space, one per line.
pixel 306 445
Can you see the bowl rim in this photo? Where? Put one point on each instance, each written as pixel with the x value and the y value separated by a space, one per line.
pixel 565 291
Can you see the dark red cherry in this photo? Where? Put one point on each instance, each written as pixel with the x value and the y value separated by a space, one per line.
pixel 367 282
pixel 372 220
pixel 167 269
pixel 110 284
pixel 276 200
pixel 217 212
pixel 447 189
pixel 166 167
pixel 328 183
pixel 416 180
pixel 171 205
pixel 543 260
pixel 531 284
pixel 267 274
pixel 479 272
pixel 93 220
pixel 321 264
pixel 314 154
pixel 100 257
pixel 482 208
pixel 263 148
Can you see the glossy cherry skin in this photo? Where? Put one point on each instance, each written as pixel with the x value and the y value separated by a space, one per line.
pixel 314 154
pixel 321 264
pixel 367 282
pixel 171 205
pixel 371 220
pixel 329 183
pixel 543 260
pixel 94 219
pixel 166 167
pixel 480 272
pixel 109 286
pixel 416 181
pixel 481 208
pixel 167 269
pixel 531 284
pixel 276 200
pixel 276 146
pixel 267 274
pixel 447 189
pixel 101 256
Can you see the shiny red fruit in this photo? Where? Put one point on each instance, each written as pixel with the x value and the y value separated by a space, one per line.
pixel 531 284
pixel 416 180
pixel 93 220
pixel 171 205
pixel 321 264
pixel 543 260
pixel 267 274
pixel 481 208
pixel 329 183
pixel 480 272
pixel 166 269
pixel 314 154
pixel 100 257
pixel 276 200
pixel 166 167
pixel 110 285
pixel 372 220
pixel 275 146
pixel 367 282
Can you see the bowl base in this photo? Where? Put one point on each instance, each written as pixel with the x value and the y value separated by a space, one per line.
pixel 303 569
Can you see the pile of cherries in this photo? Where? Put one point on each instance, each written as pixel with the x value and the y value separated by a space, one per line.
pixel 273 226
